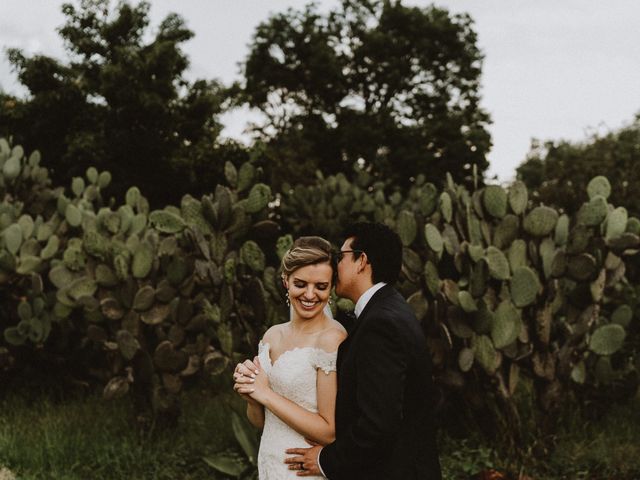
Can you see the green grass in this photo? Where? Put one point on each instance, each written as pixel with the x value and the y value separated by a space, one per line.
pixel 93 439
pixel 607 448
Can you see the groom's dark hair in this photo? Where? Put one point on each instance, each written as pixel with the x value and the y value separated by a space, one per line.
pixel 382 246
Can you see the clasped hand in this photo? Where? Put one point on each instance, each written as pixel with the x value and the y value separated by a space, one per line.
pixel 250 381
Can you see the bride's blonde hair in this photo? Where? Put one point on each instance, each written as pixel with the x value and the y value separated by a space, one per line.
pixel 305 251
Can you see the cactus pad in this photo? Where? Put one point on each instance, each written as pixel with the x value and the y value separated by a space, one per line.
pixel 432 278
pixel 53 243
pixel 81 287
pixel 506 324
pixel 434 239
pixel 599 186
pixel 524 286
pixel 607 339
pixel 258 198
pixel 518 197
pixel 283 244
pixel 540 221
pixel 166 222
pixel 246 176
pixel 467 302
pixel 517 254
pixel 594 212
pixel 582 267
pixel 446 207
pixel 13 238
pixel 428 200
pixel 622 315
pixel 506 231
pixel 633 226
pixel 231 174
pixel 476 252
pixel 127 344
pixel 27 225
pixel 547 254
pixel 144 298
pixel 143 258
pixel 498 263
pixel 465 359
pixel 252 255
pixel 485 354
pixel 616 223
pixel 168 359
pixel 73 215
pixel 494 200
pixel 11 168
pixel 156 315
pixel 77 186
pixel 92 174
pixel 406 227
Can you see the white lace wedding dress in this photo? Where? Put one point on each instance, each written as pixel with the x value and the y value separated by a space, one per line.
pixel 293 375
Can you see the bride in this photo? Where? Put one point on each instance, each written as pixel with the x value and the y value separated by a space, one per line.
pixel 291 386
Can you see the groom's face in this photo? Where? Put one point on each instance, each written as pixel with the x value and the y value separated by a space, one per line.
pixel 347 270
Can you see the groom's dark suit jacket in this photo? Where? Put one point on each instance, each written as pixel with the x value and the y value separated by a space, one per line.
pixel 384 407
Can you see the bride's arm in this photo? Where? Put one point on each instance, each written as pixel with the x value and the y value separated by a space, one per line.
pixel 318 427
pixel 255 414
pixel 244 376
pixel 243 387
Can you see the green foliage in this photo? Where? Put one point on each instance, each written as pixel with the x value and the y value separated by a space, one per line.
pixel 560 171
pixel 177 298
pixel 230 462
pixel 82 438
pixel 120 101
pixel 368 81
pixel 135 285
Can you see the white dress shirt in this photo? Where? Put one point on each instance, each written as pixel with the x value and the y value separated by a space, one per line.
pixel 360 304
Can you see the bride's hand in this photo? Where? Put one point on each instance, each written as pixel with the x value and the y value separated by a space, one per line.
pixel 260 385
pixel 244 377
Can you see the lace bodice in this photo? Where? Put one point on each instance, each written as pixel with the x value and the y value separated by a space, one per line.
pixel 293 375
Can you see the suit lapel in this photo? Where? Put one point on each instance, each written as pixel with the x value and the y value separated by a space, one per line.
pixel 377 297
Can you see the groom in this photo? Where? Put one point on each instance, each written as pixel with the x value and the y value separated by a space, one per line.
pixel 384 407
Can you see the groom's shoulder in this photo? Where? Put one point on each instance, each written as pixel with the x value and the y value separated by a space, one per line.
pixel 393 303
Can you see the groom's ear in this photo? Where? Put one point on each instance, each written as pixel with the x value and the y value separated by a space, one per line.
pixel 362 262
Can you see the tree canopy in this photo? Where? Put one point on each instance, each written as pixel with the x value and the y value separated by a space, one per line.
pixel 372 85
pixel 559 170
pixel 120 102
pixel 391 87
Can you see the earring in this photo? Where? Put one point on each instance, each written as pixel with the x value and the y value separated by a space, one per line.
pixel 287 299
pixel 330 302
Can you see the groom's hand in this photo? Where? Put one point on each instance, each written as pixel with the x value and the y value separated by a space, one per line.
pixel 305 461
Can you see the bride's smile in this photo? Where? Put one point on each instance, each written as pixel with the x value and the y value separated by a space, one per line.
pixel 309 289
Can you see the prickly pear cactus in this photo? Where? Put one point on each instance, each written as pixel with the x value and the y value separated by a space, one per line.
pixel 506 289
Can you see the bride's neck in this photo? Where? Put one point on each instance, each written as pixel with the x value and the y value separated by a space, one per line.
pixel 307 326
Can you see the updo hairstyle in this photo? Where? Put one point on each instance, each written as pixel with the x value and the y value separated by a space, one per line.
pixel 305 251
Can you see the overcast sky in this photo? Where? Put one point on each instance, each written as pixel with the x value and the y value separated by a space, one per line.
pixel 553 69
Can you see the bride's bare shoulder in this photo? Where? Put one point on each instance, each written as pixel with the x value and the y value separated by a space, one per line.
pixel 274 333
pixel 332 337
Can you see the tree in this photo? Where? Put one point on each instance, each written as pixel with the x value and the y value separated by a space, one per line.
pixel 391 88
pixel 559 171
pixel 120 103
